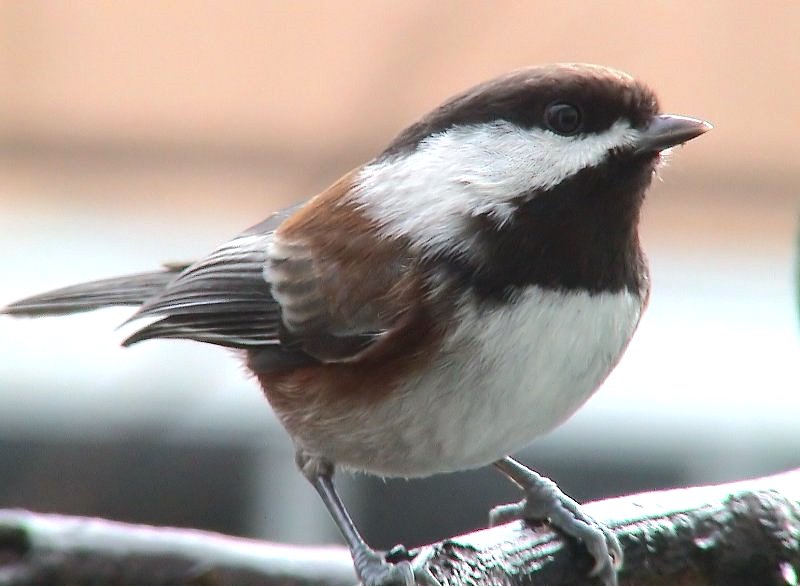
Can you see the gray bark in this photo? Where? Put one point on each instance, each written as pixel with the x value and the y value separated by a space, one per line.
pixel 734 534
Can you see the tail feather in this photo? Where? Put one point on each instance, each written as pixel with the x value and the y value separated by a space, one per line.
pixel 127 290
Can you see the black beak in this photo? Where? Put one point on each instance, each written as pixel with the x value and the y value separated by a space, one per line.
pixel 667 130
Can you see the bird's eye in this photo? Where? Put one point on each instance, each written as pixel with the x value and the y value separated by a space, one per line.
pixel 562 118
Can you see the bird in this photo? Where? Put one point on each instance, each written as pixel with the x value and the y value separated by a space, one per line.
pixel 443 304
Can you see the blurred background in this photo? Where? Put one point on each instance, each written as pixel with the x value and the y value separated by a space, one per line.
pixel 138 132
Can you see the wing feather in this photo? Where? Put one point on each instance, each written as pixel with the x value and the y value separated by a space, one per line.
pixel 222 299
pixel 310 284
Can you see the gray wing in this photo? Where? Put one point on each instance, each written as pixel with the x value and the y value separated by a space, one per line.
pixel 243 296
pixel 227 299
pixel 222 299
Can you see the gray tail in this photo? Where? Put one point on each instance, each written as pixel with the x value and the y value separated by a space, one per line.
pixel 127 290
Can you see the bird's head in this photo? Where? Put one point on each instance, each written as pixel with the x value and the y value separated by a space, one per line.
pixel 549 142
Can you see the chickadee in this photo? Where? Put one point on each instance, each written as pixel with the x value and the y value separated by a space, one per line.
pixel 447 302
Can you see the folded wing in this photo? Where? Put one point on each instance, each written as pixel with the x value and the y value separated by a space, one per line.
pixel 321 290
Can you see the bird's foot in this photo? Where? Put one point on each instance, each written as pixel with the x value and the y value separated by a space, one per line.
pixel 399 567
pixel 545 501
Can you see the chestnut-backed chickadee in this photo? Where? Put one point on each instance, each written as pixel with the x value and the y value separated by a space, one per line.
pixel 442 305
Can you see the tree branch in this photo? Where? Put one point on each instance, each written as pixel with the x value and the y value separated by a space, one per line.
pixel 741 533
pixel 37 549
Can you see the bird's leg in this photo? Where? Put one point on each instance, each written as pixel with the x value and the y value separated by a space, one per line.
pixel 371 566
pixel 544 501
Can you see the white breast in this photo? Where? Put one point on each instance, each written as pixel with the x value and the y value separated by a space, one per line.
pixel 506 376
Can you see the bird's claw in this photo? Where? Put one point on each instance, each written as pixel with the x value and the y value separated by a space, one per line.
pixel 399 567
pixel 547 502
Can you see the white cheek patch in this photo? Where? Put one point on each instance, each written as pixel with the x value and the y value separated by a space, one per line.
pixel 471 170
